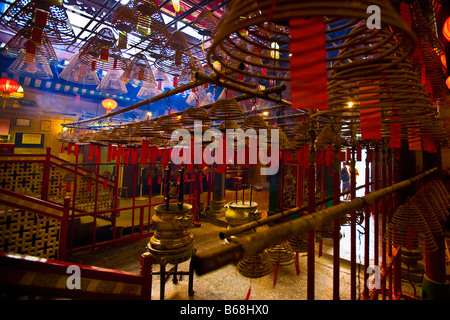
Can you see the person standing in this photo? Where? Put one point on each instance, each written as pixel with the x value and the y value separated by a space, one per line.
pixel 345 178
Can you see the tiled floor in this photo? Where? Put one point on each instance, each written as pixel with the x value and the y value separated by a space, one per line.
pixel 227 283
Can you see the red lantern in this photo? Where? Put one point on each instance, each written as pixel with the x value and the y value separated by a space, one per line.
pixel 446 29
pixel 109 104
pixel 447 82
pixel 7 86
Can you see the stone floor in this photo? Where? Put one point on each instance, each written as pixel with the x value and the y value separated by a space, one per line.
pixel 227 283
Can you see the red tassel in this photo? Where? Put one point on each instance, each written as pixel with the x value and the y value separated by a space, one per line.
pixel 134 155
pixel 297 264
pixel 89 186
pixel 76 150
pixel 105 183
pixel 249 291
pixel 370 114
pixel 159 179
pixel 275 273
pixel 68 187
pixel 358 154
pixel 98 155
pixel 91 151
pixel 144 151
pixel 69 149
pixel 62 147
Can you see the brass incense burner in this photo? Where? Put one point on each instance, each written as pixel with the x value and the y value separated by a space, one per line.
pixel 172 241
pixel 240 212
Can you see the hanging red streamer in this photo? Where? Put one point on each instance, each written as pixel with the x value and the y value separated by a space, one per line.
pixel 370 113
pixel 297 264
pixel 247 297
pixel 91 151
pixel 144 152
pixel 308 64
pixel 76 150
pixel 69 149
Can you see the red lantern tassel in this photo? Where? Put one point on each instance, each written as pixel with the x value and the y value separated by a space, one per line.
pixel 69 148
pixel 105 183
pixel 76 150
pixel 62 147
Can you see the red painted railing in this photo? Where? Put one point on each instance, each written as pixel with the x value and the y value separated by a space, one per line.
pixel 22 276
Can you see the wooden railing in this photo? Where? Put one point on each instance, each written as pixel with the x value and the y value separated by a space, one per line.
pixel 23 277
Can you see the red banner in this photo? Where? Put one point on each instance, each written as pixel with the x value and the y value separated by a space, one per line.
pixel 308 64
pixel 369 113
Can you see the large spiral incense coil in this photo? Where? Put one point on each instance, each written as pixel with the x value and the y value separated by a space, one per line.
pixel 17 44
pixel 283 142
pixel 78 72
pixel 100 52
pixel 255 122
pixel 441 192
pixel 245 31
pixel 298 243
pixel 192 114
pixel 409 229
pixel 21 13
pixel 225 109
pixel 175 55
pixel 206 22
pixel 147 129
pixel 168 123
pixel 228 124
pixel 149 13
pixel 396 93
pixel 186 74
pixel 301 135
pixel 434 204
pixel 257 265
pixel 428 213
pixel 439 203
pixel 138 71
pixel 329 136
pixel 281 254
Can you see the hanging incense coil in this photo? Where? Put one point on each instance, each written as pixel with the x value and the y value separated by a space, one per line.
pixel 255 122
pixel 101 52
pixel 147 129
pixel 78 72
pixel 138 71
pixel 428 213
pixel 18 43
pixel 255 266
pixel 168 123
pixel 409 229
pixel 441 205
pixel 225 109
pixel 283 141
pixel 124 18
pixel 152 30
pixel 244 31
pixel 298 243
pixel 175 55
pixel 441 192
pixel 434 204
pixel 282 254
pixel 187 72
pixel 301 134
pixel 57 28
pixel 328 137
pixel 228 124
pixel 205 22
pixel 192 114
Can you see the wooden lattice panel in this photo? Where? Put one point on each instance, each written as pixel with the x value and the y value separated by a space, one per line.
pixel 22 177
pixel 59 188
pixel 28 233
